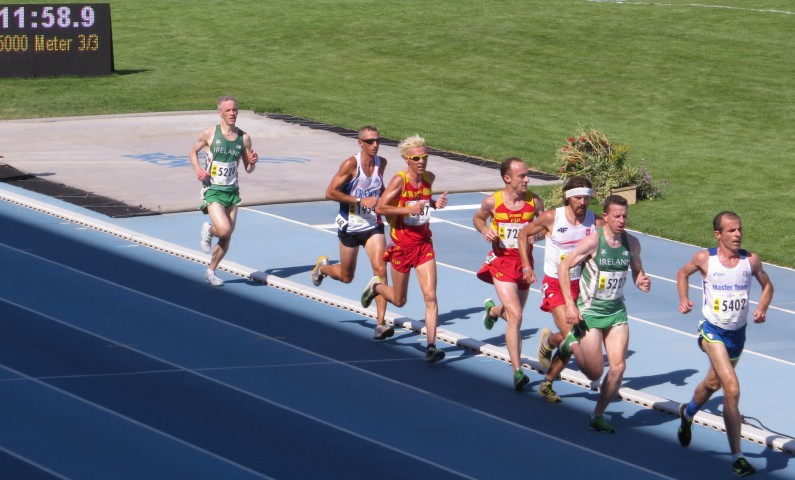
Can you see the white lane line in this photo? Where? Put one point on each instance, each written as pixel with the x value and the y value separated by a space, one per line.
pixel 325 228
pixel 697 5
pixel 275 403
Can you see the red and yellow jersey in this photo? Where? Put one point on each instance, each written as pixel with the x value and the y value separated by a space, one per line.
pixel 508 223
pixel 412 229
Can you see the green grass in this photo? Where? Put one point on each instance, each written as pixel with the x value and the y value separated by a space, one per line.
pixel 702 95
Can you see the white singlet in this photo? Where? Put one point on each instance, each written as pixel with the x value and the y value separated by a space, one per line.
pixel 563 240
pixel 726 292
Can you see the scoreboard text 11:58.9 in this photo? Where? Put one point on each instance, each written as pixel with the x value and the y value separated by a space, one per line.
pixel 60 39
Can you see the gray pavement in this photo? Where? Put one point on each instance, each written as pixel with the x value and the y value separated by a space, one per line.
pixel 142 159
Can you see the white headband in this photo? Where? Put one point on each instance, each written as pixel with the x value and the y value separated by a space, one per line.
pixel 579 192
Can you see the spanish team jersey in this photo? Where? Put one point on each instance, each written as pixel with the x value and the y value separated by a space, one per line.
pixel 603 278
pixel 222 157
pixel 412 229
pixel 356 218
pixel 726 292
pixel 563 239
pixel 508 223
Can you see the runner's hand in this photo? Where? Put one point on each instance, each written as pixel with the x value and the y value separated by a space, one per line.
pixel 573 315
pixel 685 306
pixel 441 202
pixel 643 282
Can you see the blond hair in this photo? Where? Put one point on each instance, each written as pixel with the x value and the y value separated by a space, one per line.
pixel 409 143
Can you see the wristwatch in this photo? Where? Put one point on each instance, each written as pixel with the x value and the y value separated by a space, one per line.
pixel 358 201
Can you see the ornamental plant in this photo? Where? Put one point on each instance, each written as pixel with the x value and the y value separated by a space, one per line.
pixel 590 154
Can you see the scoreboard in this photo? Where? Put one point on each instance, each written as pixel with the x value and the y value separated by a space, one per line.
pixel 55 39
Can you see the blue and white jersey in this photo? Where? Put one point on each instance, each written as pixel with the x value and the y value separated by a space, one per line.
pixel 726 292
pixel 355 218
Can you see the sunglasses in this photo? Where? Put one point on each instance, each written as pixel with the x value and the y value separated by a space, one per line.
pixel 370 141
pixel 417 158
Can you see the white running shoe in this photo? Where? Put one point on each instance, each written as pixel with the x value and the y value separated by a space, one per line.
pixel 382 332
pixel 206 238
pixel 212 279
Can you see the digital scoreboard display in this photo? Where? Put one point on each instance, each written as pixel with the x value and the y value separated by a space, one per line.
pixel 55 39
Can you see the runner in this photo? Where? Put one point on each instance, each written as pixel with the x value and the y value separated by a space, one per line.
pixel 500 218
pixel 563 228
pixel 406 202
pixel 357 185
pixel 224 145
pixel 726 271
pixel 599 315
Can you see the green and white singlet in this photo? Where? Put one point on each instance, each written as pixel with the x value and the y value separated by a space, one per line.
pixel 601 299
pixel 223 157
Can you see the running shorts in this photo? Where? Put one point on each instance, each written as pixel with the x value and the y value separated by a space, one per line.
pixel 359 238
pixel 404 257
pixel 733 340
pixel 552 296
pixel 227 199
pixel 504 269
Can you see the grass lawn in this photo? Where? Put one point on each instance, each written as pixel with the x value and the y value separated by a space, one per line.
pixel 701 93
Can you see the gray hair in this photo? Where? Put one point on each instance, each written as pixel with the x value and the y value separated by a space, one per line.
pixel 226 98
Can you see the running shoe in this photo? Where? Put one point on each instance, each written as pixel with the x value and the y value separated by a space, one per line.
pixel 685 433
pixel 432 354
pixel 550 395
pixel 545 350
pixel 317 275
pixel 742 468
pixel 382 332
pixel 206 238
pixel 520 380
pixel 599 424
pixel 212 279
pixel 488 320
pixel 368 294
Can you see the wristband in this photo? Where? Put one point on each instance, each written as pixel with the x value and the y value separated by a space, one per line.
pixel 358 201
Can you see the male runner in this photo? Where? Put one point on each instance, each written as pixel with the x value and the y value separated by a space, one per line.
pixel 406 202
pixel 357 185
pixel 726 270
pixel 224 146
pixel 563 228
pixel 509 209
pixel 599 315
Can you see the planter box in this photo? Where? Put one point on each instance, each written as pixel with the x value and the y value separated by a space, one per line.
pixel 630 193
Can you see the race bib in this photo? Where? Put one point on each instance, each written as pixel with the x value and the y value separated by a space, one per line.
pixel 611 285
pixel 360 216
pixel 223 173
pixel 418 219
pixel 509 234
pixel 729 306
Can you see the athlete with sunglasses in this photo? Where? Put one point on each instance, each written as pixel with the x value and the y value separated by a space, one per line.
pixel 357 185
pixel 406 202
